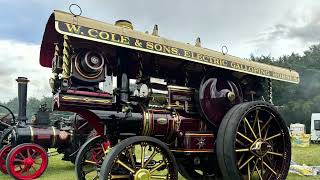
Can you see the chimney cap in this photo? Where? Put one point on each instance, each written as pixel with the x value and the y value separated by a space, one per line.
pixel 124 23
pixel 22 80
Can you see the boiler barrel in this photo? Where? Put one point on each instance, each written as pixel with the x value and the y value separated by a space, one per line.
pixel 48 137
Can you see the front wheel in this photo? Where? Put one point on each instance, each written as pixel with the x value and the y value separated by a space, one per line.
pixel 90 157
pixel 139 158
pixel 27 161
pixel 253 143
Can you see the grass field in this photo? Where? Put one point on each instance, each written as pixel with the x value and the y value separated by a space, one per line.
pixel 62 170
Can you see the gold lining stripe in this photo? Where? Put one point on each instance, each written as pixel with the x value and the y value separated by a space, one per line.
pixel 32 134
pixel 86 100
pixel 195 134
pixel 54 139
pixel 144 124
pixel 148 124
pixel 195 150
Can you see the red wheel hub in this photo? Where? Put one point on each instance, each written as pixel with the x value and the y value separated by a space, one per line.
pixel 3 156
pixel 27 161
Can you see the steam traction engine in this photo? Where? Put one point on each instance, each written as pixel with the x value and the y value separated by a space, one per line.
pixel 164 106
pixel 24 145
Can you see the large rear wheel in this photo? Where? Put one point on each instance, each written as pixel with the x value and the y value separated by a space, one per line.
pixel 253 143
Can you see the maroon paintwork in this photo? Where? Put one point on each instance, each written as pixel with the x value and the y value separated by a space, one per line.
pixel 213 99
pixel 49 39
pixel 91 94
pixel 197 141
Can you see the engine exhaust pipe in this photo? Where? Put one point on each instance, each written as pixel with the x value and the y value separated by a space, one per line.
pixel 22 98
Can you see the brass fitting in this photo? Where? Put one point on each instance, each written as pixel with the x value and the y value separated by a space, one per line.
pixel 231 96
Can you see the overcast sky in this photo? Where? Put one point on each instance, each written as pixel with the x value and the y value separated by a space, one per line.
pixel 269 27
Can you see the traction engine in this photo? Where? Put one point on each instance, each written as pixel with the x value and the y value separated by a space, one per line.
pixel 160 107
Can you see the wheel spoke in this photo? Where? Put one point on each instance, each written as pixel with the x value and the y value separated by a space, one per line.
pixel 142 155
pixel 4 116
pixel 158 176
pixel 243 150
pixel 241 158
pixel 96 177
pixel 266 134
pixel 245 137
pixel 37 162
pixel 157 167
pixel 244 127
pixel 28 153
pixel 91 162
pixel 32 155
pixel 259 130
pixel 265 125
pixel 125 166
pixel 21 155
pixel 22 170
pixel 150 158
pixel 84 124
pixel 254 166
pixel 269 168
pixel 274 136
pixel 249 172
pixel 246 162
pixel 131 157
pixel 261 166
pixel 37 157
pixel 18 160
pixel 241 143
pixel 34 168
pixel 275 153
pixel 28 171
pixel 268 158
pixel 104 150
pixel 246 120
pixel 120 176
pixel 255 118
pixel 259 173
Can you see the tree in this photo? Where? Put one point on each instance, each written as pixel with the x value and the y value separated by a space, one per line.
pixel 298 101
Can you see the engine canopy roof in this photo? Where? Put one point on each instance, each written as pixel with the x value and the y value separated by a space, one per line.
pixel 62 23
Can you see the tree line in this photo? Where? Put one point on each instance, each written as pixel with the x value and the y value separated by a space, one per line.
pixel 297 102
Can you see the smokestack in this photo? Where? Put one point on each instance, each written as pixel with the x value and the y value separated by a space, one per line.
pixel 22 98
